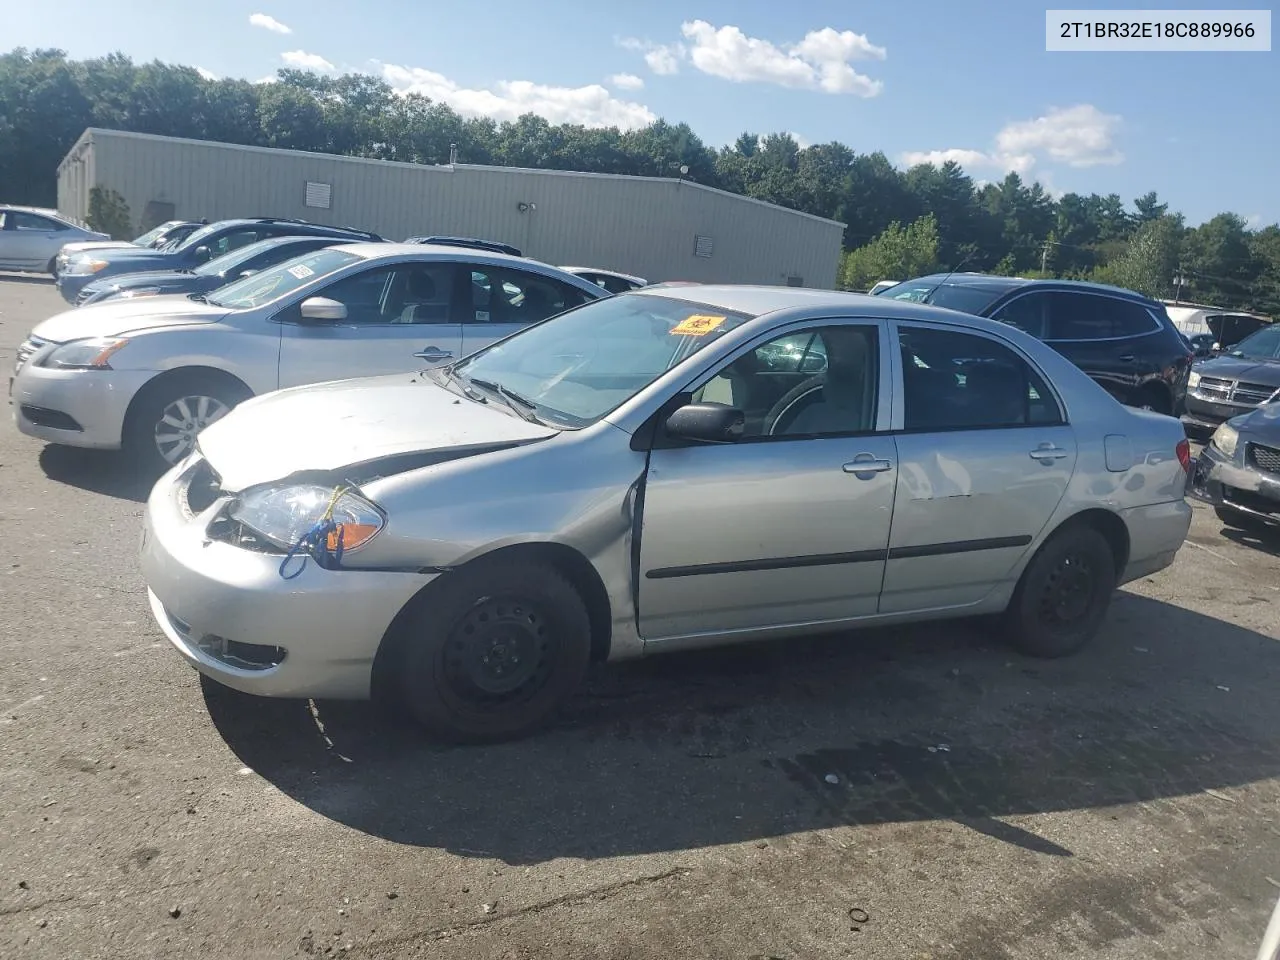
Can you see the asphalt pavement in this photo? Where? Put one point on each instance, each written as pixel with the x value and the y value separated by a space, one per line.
pixel 915 793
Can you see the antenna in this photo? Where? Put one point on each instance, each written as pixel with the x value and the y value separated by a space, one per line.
pixel 934 289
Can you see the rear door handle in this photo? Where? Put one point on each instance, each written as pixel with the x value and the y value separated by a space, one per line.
pixel 433 353
pixel 1048 452
pixel 866 463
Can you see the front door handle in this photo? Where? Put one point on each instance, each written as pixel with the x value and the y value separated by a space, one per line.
pixel 1127 358
pixel 433 353
pixel 866 463
pixel 1048 452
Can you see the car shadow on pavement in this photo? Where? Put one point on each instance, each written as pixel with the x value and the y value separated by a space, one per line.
pixel 938 722
pixel 99 471
pixel 1262 540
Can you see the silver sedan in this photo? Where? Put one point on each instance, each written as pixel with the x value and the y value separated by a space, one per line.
pixel 149 374
pixel 663 469
pixel 30 238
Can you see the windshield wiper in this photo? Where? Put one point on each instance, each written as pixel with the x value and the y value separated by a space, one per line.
pixel 521 405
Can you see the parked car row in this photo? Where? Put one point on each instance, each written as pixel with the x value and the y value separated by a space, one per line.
pixel 30 237
pixel 447 476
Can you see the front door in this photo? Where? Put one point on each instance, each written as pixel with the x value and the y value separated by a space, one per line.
pixel 400 318
pixel 789 524
pixel 984 458
pixel 504 300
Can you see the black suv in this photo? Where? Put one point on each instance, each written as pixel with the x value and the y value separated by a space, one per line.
pixel 205 244
pixel 1125 341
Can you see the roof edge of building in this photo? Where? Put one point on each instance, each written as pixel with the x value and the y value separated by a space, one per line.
pixel 91 133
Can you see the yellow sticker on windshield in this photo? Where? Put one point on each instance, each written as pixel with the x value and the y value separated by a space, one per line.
pixel 697 325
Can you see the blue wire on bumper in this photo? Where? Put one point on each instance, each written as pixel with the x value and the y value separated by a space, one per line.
pixel 315 544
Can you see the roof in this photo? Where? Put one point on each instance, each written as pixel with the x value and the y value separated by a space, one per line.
pixel 996 282
pixel 604 273
pixel 92 132
pixel 759 300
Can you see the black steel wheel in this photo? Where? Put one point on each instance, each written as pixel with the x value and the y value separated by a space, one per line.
pixel 493 652
pixel 1064 594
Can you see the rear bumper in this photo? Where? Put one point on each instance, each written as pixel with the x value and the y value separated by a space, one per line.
pixel 1156 533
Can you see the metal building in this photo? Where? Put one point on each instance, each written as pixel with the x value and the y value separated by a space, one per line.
pixel 657 228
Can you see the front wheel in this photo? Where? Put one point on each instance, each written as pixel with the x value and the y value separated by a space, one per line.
pixel 494 652
pixel 1064 594
pixel 165 420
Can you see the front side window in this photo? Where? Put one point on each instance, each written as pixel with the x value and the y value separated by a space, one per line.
pixel 151 236
pixel 960 381
pixel 575 368
pixel 281 280
pixel 29 221
pixel 822 381
pixel 418 293
pixel 500 295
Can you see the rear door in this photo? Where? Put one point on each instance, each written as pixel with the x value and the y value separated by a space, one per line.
pixel 984 456
pixel 400 317
pixel 503 300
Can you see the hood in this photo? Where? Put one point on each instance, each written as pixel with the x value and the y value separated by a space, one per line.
pixel 1266 372
pixel 1261 424
pixel 83 245
pixel 115 317
pixel 326 427
pixel 167 279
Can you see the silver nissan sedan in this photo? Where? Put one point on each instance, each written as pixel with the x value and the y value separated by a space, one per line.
pixel 663 469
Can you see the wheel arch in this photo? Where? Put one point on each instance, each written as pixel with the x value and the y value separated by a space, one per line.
pixel 1107 523
pixel 566 560
pixel 161 381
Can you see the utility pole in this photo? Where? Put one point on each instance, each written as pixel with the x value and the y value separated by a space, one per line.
pixel 1044 257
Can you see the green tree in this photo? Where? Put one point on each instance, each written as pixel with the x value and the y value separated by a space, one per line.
pixel 899 253
pixel 1150 260
pixel 109 214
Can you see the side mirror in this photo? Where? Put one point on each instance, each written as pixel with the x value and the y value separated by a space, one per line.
pixel 203 253
pixel 708 422
pixel 322 308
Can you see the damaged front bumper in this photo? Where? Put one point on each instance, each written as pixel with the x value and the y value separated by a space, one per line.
pixel 1227 485
pixel 233 617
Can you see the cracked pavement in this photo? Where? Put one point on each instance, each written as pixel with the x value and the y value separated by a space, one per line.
pixel 918 793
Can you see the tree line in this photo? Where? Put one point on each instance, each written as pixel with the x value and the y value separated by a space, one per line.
pixel 900 222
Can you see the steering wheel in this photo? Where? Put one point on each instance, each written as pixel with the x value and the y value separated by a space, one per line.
pixel 789 399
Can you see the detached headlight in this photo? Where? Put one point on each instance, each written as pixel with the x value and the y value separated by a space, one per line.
pixel 1193 380
pixel 1225 439
pixel 84 268
pixel 84 354
pixel 284 515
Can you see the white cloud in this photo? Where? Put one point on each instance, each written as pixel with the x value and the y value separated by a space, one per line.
pixel 207 74
pixel 662 59
pixel 269 78
pixel 268 23
pixel 1253 221
pixel 801 142
pixel 590 106
pixel 306 61
pixel 1080 136
pixel 626 81
pixel 820 61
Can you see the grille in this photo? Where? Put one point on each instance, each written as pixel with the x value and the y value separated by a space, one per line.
pixel 1237 392
pixel 25 350
pixel 1265 458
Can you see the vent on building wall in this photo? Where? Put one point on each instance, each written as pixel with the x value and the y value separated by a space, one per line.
pixel 702 246
pixel 319 194
pixel 795 281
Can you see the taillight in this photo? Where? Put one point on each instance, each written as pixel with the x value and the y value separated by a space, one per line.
pixel 1184 454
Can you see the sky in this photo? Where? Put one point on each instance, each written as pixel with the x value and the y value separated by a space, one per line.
pixel 918 80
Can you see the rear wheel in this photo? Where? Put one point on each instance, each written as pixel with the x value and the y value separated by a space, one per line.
pixel 165 420
pixel 52 267
pixel 1063 595
pixel 494 652
pixel 1155 399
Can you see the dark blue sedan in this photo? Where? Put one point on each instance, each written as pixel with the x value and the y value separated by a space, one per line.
pixel 206 277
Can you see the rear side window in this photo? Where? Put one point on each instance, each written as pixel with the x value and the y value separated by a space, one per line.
pixel 500 295
pixel 1085 316
pixel 959 381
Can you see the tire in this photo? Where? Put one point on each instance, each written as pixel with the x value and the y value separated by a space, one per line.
pixel 51 268
pixel 204 397
pixel 505 611
pixel 1044 622
pixel 1156 400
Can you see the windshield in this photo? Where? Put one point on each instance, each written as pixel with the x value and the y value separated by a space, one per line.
pixel 152 235
pixel 1263 345
pixel 277 281
pixel 198 237
pixel 579 366
pixel 967 299
pixel 227 263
